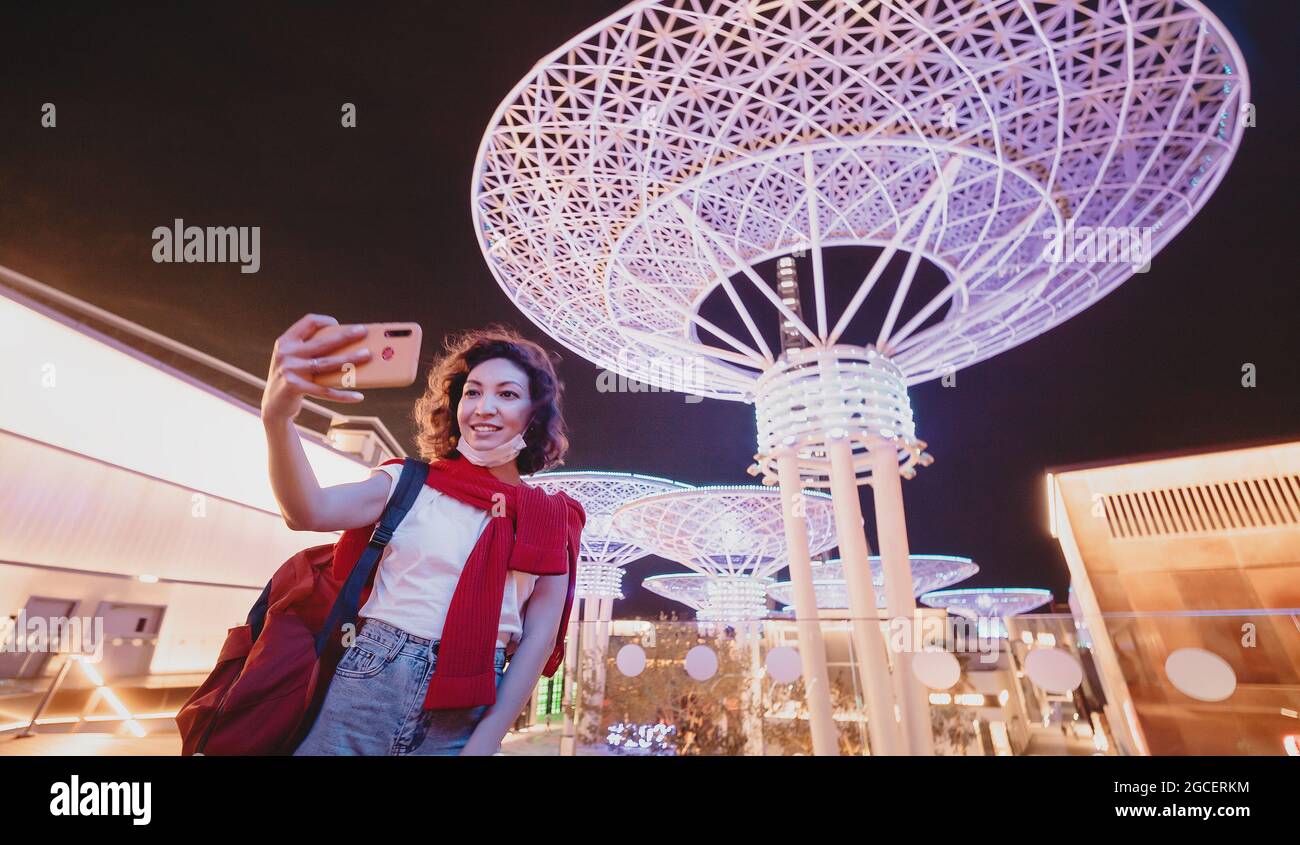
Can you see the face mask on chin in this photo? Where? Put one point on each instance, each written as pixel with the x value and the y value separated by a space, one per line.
pixel 503 454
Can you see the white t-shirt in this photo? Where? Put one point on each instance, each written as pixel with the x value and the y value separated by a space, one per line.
pixel 420 568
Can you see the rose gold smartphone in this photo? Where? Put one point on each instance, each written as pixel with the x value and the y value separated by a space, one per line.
pixel 394 357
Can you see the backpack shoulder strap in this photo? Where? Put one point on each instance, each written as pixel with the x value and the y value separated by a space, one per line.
pixel 346 605
pixel 414 474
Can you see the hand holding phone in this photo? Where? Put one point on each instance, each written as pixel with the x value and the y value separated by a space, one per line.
pixel 318 357
pixel 393 361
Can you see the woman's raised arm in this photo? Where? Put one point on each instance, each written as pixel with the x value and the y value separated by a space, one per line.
pixel 305 505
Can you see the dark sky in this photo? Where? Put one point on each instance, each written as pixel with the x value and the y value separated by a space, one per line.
pixel 228 114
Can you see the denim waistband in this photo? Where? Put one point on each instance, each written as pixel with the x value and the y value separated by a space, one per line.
pixel 395 637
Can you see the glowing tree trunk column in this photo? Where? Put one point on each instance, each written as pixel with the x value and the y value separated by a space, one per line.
pixel 606 622
pixel 749 636
pixel 606 608
pixel 827 404
pixel 868 642
pixel 592 687
pixel 895 561
pixel 812 650
pixel 571 669
pixel 756 684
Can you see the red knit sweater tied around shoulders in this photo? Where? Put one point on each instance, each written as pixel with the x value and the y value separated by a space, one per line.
pixel 529 530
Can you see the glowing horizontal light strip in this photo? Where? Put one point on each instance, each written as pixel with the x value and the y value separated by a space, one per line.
pixel 71 720
pixel 108 717
pixel 101 574
pixel 636 476
pixel 973 591
pixel 746 488
pixel 954 558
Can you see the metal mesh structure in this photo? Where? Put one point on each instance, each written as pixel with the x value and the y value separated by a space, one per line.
pixel 929 573
pixel 708 595
pixel 723 531
pixel 688 588
pixel 659 156
pixel 601 494
pixel 988 601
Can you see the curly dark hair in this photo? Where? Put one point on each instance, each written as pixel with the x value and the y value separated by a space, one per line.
pixel 435 412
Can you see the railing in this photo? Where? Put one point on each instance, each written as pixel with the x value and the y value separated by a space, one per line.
pixel 1226 682
pixel 1223 682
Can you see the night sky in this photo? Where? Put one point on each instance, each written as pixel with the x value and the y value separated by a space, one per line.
pixel 228 115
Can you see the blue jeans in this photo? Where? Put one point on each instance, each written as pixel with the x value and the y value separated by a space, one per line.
pixel 375 701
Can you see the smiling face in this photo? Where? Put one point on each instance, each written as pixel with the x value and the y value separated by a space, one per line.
pixel 495 405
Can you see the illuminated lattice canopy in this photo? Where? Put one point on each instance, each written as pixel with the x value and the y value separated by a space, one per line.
pixel 659 156
pixel 601 494
pixel 688 588
pixel 723 531
pixel 738 599
pixel 983 602
pixel 929 573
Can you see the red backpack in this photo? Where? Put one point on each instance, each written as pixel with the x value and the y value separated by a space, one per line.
pixel 273 671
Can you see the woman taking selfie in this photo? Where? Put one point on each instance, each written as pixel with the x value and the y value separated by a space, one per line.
pixel 481 556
